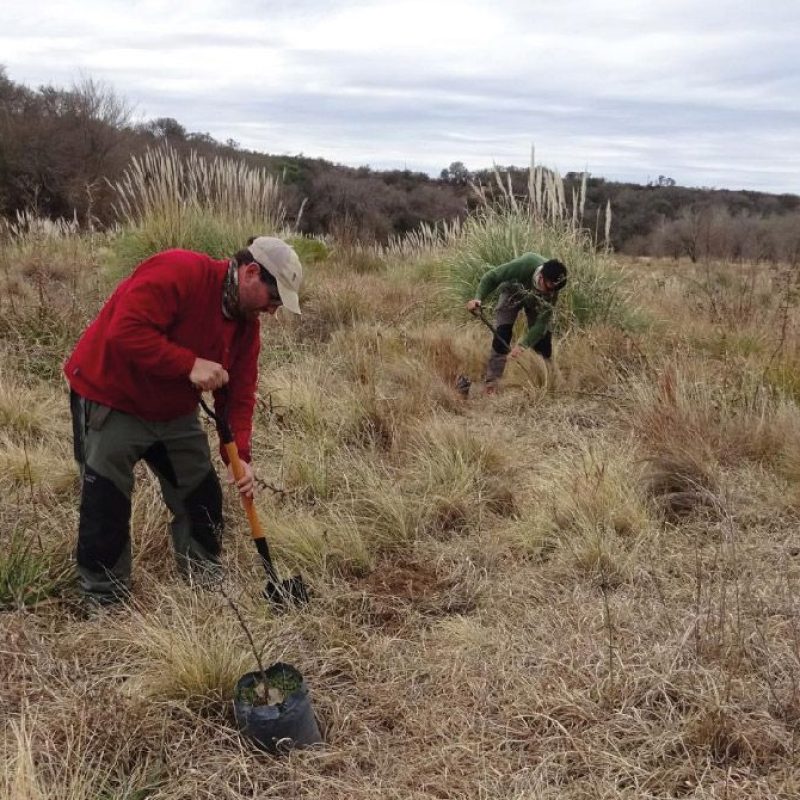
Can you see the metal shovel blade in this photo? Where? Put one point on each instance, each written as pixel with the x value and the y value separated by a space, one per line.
pixel 288 592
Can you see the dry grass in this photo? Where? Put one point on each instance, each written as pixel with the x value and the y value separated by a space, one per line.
pixel 587 516
pixel 186 649
pixel 213 205
pixel 457 475
pixel 584 587
pixel 79 767
pixel 36 467
pixel 26 412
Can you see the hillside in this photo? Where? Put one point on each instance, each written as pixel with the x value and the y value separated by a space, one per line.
pixel 60 149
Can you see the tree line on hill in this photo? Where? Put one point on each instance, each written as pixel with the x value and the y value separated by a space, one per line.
pixel 62 149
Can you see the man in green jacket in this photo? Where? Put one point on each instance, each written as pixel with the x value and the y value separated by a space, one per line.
pixel 530 283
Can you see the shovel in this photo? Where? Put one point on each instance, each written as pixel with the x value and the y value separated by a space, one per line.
pixel 281 593
pixel 478 312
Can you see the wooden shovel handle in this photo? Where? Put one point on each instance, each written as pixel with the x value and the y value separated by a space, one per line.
pixel 249 506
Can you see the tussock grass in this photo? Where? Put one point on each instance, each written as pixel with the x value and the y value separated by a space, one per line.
pixel 783 374
pixel 50 289
pixel 597 359
pixel 451 350
pixel 358 258
pixel 375 386
pixel 310 467
pixel 679 484
pixel 186 650
pixel 697 420
pixel 151 542
pixel 76 768
pixel 389 518
pixel 210 205
pixel 406 390
pixel 42 252
pixel 332 306
pixel 25 412
pixel 297 392
pixel 37 337
pixel 35 467
pixel 409 372
pixel 711 412
pixel 788 461
pixel 333 543
pixel 530 372
pixel 587 514
pixel 30 571
pixel 458 475
pixel 344 301
pixel 41 312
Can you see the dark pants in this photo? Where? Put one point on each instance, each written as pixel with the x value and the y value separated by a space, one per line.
pixel 108 444
pixel 505 316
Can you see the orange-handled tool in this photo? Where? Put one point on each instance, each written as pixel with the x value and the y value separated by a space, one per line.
pixel 249 506
pixel 280 592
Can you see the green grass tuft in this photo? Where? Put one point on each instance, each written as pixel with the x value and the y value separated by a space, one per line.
pixel 28 573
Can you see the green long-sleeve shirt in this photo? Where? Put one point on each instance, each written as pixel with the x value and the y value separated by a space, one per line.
pixel 518 274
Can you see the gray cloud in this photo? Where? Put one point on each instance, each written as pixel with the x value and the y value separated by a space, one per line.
pixel 626 88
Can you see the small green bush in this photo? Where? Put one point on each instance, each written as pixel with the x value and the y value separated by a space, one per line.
pixel 309 249
pixel 202 232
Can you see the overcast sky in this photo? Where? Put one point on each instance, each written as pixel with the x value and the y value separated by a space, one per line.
pixel 707 93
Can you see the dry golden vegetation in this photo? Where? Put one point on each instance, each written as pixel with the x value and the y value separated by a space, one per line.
pixel 583 587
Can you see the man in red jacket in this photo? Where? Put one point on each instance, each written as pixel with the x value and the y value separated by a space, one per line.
pixel 180 324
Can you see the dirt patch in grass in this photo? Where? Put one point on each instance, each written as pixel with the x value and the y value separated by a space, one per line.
pixel 397 591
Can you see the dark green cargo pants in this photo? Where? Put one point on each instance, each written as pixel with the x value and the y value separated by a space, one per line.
pixel 506 312
pixel 108 444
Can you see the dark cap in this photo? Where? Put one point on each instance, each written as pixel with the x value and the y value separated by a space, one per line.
pixel 553 271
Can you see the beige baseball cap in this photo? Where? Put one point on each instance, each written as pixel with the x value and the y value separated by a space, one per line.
pixel 281 261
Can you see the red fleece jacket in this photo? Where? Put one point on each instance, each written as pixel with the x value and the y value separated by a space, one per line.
pixel 137 354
